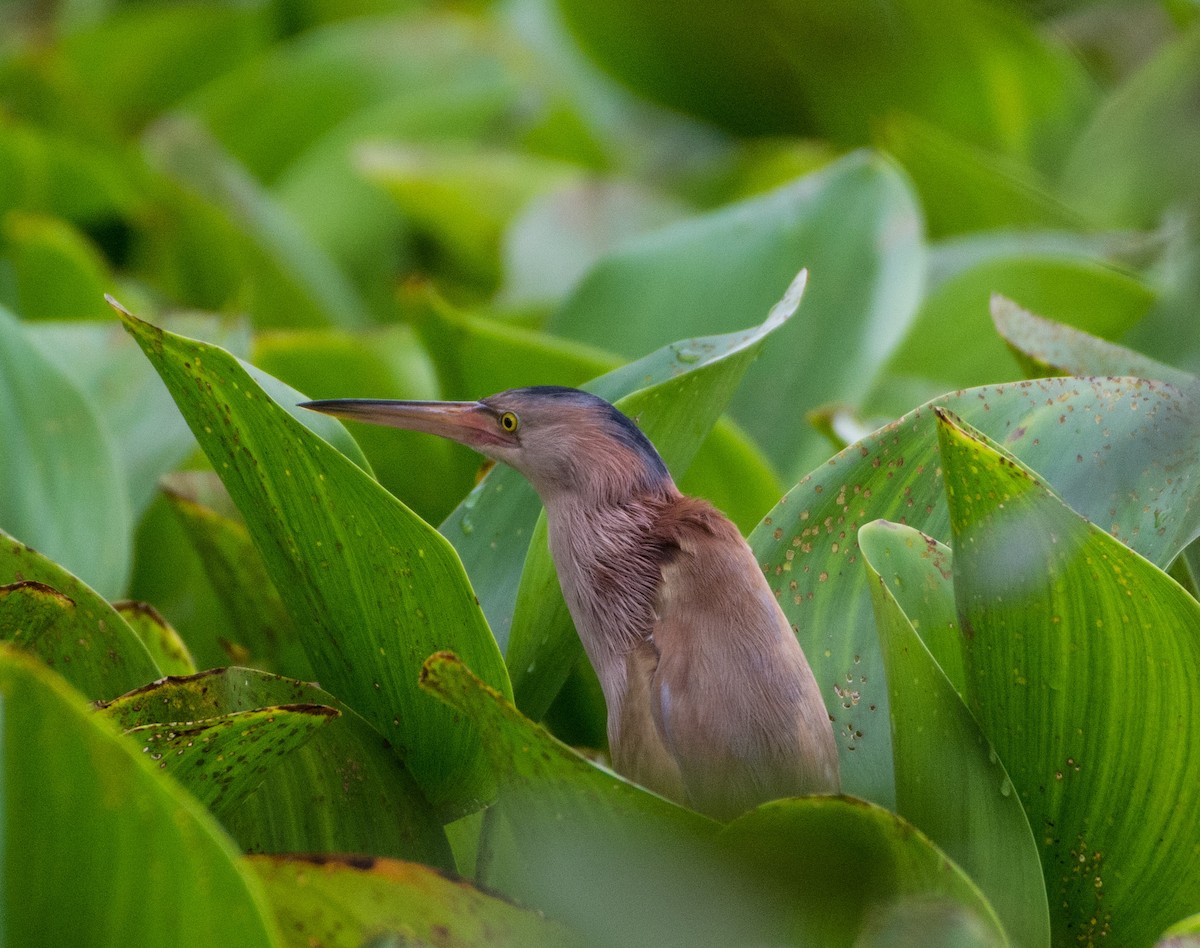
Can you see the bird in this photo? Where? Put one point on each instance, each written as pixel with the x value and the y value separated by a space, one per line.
pixel 710 699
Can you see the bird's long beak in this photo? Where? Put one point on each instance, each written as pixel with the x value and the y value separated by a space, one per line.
pixel 469 423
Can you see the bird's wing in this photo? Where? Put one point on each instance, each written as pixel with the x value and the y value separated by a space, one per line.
pixel 732 695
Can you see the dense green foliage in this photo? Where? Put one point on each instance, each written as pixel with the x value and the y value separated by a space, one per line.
pixel 965 450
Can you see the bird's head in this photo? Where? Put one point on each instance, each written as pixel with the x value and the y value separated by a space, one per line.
pixel 563 440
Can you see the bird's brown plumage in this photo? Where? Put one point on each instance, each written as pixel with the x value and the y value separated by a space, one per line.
pixel 710 698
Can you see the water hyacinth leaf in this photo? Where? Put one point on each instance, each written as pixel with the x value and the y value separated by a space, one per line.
pixel 854 225
pixel 586 839
pixel 222 759
pixel 55 271
pixel 806 68
pixel 826 865
pixel 63 769
pixel 462 199
pixel 294 282
pixel 373 589
pixel 952 344
pixel 266 635
pixel 926 922
pixel 1096 441
pixel 169 651
pixel 1061 623
pixel 148 433
pixel 342 791
pixel 270 112
pixel 353 902
pixel 676 414
pixel 1045 347
pixel 62 488
pixel 46 610
pixel 968 808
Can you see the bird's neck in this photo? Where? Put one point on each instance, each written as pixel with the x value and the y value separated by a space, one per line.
pixel 609 568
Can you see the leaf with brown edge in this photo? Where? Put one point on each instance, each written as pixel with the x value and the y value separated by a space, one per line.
pixel 341 791
pixel 1080 660
pixel 222 759
pixel 166 647
pixel 46 610
pixel 348 902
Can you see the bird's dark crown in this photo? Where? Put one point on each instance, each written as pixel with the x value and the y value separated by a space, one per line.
pixel 617 424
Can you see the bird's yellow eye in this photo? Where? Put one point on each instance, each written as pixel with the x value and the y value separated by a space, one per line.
pixel 509 421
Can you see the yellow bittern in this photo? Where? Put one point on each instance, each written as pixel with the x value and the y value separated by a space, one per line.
pixel 711 701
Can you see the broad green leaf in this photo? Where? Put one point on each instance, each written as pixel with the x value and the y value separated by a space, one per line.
pixel 347 903
pixel 952 343
pixel 343 791
pixel 62 491
pixel 676 414
pixel 832 72
pixel 1134 160
pixel 57 175
pixel 46 610
pixel 373 590
pixel 966 188
pixel 1097 441
pixel 147 431
pixel 55 271
pixel 223 759
pixel 265 633
pixel 271 110
pixel 1044 347
pixel 826 866
pixel 169 651
pixel 949 783
pixel 463 199
pixel 558 236
pixel 922 921
pixel 98 847
pixel 854 225
pixel 1080 659
pixel 292 281
pixel 140 60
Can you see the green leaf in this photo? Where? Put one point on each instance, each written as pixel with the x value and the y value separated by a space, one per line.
pixel 464 199
pixel 831 72
pixel 342 791
pixel 266 634
pixel 1134 160
pixel 949 783
pixel 730 471
pixel 372 589
pixel 291 282
pixel 57 273
pixel 169 651
pixel 952 343
pixel 676 414
pixel 1098 441
pixel 98 846
pixel 854 225
pixel 62 491
pixel 147 431
pixel 1080 660
pixel 355 902
pixel 46 610
pixel 223 759
pixel 966 188
pixel 1044 347
pixel 827 865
